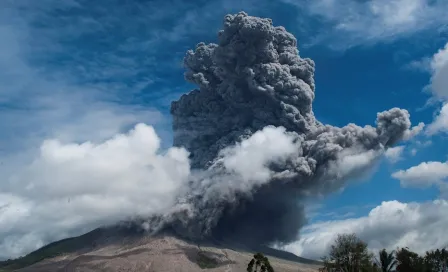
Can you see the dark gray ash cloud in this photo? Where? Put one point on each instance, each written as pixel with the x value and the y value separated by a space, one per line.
pixel 252 78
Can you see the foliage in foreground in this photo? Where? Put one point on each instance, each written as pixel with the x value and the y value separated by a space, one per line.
pixel 350 254
pixel 259 263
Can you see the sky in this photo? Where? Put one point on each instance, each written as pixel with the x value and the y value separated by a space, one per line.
pixel 84 85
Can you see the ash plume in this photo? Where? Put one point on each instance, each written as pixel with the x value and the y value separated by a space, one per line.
pixel 253 82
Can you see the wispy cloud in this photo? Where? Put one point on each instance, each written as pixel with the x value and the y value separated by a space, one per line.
pixel 424 175
pixel 393 154
pixel 40 97
pixel 320 213
pixel 352 22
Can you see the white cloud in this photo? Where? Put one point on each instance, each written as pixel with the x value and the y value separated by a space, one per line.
pixel 418 145
pixel 250 157
pixel 362 22
pixel 423 175
pixel 439 89
pixel 419 226
pixel 439 79
pixel 440 123
pixel 440 59
pixel 424 144
pixel 423 65
pixel 70 188
pixel 394 154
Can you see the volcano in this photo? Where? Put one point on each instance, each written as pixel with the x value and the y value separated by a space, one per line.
pixel 127 248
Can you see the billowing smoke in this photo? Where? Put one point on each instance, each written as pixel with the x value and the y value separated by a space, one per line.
pixel 256 91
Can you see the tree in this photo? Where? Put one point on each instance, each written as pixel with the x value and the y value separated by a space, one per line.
pixel 436 260
pixel 261 264
pixel 349 254
pixel 432 261
pixel 408 261
pixel 443 257
pixel 387 260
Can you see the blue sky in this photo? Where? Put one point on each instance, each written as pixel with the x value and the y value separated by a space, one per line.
pixel 78 71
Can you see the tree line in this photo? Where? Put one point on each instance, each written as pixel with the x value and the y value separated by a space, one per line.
pixel 350 254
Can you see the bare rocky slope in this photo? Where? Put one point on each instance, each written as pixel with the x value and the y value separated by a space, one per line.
pixel 111 249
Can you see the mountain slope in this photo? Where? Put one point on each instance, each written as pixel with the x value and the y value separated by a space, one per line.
pixel 121 249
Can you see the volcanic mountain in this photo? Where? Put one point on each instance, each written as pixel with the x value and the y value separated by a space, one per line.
pixel 128 248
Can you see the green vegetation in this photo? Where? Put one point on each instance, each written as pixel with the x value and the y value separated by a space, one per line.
pixel 408 261
pixel 387 261
pixel 350 254
pixel 259 263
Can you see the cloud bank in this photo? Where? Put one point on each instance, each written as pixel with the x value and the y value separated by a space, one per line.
pixel 419 226
pixel 70 188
